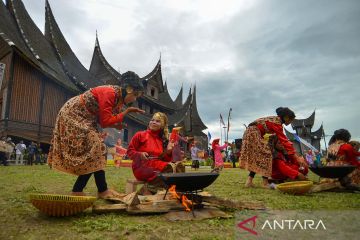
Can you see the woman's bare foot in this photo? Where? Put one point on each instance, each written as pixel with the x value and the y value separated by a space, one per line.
pixel 249 183
pixel 109 193
pixel 78 194
pixel 265 183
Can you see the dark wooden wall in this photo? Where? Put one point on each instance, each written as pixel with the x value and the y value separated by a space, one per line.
pixel 34 102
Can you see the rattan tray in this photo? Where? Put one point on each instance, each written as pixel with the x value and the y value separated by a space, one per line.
pixel 296 188
pixel 61 205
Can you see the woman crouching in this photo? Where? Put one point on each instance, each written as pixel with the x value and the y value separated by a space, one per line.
pixel 151 153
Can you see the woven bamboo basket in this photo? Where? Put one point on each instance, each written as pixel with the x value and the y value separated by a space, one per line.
pixel 61 205
pixel 296 188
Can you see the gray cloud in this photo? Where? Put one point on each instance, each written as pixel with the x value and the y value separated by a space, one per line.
pixel 300 54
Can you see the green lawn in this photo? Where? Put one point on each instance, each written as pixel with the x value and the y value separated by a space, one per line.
pixel 20 220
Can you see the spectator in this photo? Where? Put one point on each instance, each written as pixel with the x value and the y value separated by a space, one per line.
pixel 20 150
pixel 32 151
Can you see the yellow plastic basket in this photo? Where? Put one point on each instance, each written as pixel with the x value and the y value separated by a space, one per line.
pixel 61 205
pixel 296 188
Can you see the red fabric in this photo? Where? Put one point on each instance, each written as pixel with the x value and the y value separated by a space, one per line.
pixel 106 98
pixel 350 154
pixel 283 169
pixel 150 142
pixel 279 131
pixel 120 150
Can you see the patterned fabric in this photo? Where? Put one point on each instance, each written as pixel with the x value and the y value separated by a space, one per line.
pixel 256 154
pixel 272 119
pixel 77 147
pixel 336 159
pixel 332 154
pixel 93 106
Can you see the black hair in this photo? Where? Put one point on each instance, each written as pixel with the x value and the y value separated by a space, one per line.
pixel 282 112
pixel 133 80
pixel 340 134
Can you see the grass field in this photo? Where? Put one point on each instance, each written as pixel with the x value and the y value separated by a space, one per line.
pixel 20 220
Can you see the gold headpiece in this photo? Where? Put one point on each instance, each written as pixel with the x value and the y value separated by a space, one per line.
pixel 164 122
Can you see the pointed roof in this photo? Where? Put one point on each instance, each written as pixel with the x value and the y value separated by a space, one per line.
pixel 155 77
pixel 32 43
pixel 308 122
pixel 196 121
pixel 10 34
pixel 179 98
pixel 181 113
pixel 71 64
pixel 188 116
pixel 318 133
pixel 101 69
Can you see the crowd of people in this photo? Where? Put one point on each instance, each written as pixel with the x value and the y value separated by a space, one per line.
pixel 79 146
pixel 20 153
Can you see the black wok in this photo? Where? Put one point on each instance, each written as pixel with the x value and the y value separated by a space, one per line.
pixel 186 182
pixel 332 171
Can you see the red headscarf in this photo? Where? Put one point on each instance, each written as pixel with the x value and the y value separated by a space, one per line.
pixel 215 142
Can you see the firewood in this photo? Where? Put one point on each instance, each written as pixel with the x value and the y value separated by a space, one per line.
pixel 199 214
pixel 146 209
pixel 233 203
pixel 109 208
pixel 171 204
pixel 325 186
pixel 131 199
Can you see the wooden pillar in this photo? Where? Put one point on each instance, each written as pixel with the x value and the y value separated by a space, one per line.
pixel 8 91
pixel 42 93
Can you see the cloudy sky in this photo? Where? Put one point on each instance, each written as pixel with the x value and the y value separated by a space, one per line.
pixel 251 55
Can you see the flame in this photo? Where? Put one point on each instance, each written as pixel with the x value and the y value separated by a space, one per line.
pixel 183 199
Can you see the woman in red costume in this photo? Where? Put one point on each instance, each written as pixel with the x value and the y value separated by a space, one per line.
pixel 77 146
pixel 341 152
pixel 151 152
pixel 256 153
pixel 282 168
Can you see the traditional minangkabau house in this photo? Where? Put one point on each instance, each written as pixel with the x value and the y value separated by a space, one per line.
pixel 303 128
pixel 41 72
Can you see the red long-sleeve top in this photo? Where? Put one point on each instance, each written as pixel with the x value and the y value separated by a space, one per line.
pixel 274 125
pixel 109 105
pixel 349 154
pixel 150 142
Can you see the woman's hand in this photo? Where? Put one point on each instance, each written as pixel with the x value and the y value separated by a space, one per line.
pixel 144 156
pixel 301 161
pixel 170 147
pixel 134 109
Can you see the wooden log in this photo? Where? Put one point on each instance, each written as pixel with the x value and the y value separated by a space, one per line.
pixel 326 186
pixel 199 214
pixel 146 209
pixel 233 203
pixel 131 199
pixel 131 185
pixel 171 204
pixel 109 208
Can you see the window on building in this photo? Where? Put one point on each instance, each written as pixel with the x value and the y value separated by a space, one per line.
pixel 152 92
pixel 151 110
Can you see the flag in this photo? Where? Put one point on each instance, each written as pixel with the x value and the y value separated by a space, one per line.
pixel 229 119
pixel 222 120
pixel 209 136
pixel 300 140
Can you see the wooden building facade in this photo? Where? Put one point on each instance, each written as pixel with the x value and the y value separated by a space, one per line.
pixel 41 72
